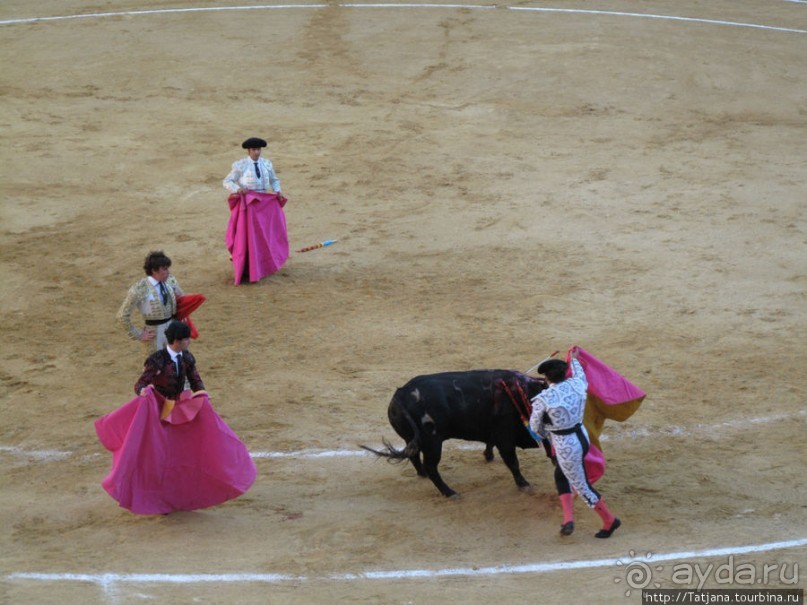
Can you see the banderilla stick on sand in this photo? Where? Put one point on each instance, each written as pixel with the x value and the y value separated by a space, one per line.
pixel 535 367
pixel 327 242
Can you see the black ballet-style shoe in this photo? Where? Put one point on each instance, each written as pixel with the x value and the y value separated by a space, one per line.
pixel 606 533
pixel 567 528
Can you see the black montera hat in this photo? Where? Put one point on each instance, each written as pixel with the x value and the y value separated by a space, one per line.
pixel 253 143
pixel 554 369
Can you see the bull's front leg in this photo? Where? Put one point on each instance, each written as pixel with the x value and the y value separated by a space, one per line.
pixel 432 454
pixel 488 451
pixel 508 454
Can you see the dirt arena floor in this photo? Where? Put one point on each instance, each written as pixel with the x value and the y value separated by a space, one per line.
pixel 502 183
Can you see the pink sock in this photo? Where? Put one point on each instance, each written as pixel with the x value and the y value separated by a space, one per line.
pixel 604 513
pixel 566 503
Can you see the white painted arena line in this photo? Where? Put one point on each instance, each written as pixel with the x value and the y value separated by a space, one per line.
pixel 633 433
pixel 40 455
pixel 651 16
pixel 311 454
pixel 390 5
pixel 107 580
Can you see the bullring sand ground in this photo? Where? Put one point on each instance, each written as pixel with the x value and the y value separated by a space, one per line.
pixel 502 183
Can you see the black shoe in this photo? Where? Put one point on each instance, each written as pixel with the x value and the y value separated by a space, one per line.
pixel 606 533
pixel 567 528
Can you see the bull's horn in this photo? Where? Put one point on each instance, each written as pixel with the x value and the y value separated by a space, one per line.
pixel 535 367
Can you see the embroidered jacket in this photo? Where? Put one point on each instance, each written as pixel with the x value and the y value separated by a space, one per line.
pixel 161 372
pixel 146 298
pixel 561 406
pixel 243 175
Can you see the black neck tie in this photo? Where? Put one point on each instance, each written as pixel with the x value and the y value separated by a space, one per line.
pixel 257 170
pixel 179 366
pixel 163 293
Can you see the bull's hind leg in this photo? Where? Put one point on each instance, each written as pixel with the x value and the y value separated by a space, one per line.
pixel 431 458
pixel 508 454
pixel 415 460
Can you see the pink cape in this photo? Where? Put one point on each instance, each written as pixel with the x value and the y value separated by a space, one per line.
pixel 190 460
pixel 593 461
pixel 606 384
pixel 610 396
pixel 256 235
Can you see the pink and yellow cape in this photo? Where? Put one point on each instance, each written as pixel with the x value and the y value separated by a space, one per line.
pixel 186 460
pixel 610 396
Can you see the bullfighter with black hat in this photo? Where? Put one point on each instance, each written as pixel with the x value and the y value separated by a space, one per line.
pixel 253 173
pixel 256 233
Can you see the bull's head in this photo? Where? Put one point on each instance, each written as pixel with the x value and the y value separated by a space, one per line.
pixel 534 386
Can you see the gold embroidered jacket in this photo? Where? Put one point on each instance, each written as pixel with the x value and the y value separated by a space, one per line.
pixel 146 298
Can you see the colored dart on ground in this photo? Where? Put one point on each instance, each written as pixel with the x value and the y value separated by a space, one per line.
pixel 327 242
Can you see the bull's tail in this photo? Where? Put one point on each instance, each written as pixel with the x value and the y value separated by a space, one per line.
pixel 412 447
pixel 389 452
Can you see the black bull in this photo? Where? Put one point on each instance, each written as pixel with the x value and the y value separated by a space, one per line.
pixel 478 405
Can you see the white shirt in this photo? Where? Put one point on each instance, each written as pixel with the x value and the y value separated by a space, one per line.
pixel 153 296
pixel 173 354
pixel 242 175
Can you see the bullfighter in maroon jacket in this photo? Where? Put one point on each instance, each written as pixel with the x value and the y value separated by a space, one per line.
pixel 169 368
pixel 171 451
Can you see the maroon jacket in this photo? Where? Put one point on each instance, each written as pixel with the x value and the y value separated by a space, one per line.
pixel 161 372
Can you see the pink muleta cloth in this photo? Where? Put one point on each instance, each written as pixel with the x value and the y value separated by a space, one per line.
pixel 189 459
pixel 256 235
pixel 610 396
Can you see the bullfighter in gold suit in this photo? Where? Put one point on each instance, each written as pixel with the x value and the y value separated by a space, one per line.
pixel 155 297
